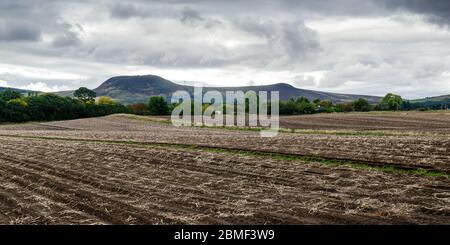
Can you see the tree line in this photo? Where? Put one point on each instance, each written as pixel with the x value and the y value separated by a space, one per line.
pixel 16 107
pixel 302 105
pixel 158 106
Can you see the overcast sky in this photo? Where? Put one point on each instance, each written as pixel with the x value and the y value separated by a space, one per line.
pixel 348 46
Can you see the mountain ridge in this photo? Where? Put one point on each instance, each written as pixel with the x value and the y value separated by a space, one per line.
pixel 22 91
pixel 132 89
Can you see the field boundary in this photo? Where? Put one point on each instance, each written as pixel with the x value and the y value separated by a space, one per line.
pixel 357 164
pixel 373 133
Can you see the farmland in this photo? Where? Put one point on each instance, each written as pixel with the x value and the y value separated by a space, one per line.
pixel 356 168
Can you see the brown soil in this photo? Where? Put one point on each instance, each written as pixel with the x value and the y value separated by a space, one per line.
pixel 47 181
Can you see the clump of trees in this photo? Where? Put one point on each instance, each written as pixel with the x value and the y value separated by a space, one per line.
pixel 302 106
pixel 157 105
pixel 426 105
pixel 85 95
pixel 391 102
pixel 138 109
pixel 15 107
pixel 297 107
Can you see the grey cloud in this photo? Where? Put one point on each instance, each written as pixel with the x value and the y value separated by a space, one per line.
pixel 67 36
pixel 192 17
pixel 299 41
pixel 296 40
pixel 301 81
pixel 16 30
pixel 254 36
pixel 125 10
pixel 436 11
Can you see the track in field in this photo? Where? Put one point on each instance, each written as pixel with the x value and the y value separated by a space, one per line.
pixel 81 178
pixel 427 151
pixel 59 182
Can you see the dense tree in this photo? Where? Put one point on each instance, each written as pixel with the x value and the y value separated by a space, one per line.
pixel 47 107
pixel 106 100
pixel 2 110
pixel 361 105
pixel 85 95
pixel 302 100
pixel 391 102
pixel 317 101
pixel 9 94
pixel 296 107
pixel 304 107
pixel 157 105
pixel 344 107
pixel 138 109
pixel 406 105
pixel 324 106
pixel 287 107
pixel 16 110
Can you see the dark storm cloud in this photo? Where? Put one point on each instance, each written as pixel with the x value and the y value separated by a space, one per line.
pixel 18 30
pixel 436 11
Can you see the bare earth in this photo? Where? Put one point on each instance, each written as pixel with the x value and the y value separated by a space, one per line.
pixel 124 169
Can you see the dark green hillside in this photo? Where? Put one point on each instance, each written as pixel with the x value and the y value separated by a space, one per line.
pixel 132 89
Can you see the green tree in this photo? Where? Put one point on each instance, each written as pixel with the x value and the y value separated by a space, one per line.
pixel 296 107
pixel 16 110
pixel 391 102
pixel 106 100
pixel 304 107
pixel 9 94
pixel 288 107
pixel 344 107
pixel 361 105
pixel 3 117
pixel 302 99
pixel 324 105
pixel 157 105
pixel 86 95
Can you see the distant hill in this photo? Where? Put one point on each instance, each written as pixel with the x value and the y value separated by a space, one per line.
pixel 442 98
pixel 431 103
pixel 132 89
pixel 22 91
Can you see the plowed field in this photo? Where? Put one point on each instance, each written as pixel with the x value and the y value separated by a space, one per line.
pixel 141 170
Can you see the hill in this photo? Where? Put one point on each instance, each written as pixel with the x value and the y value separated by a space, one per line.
pixel 442 98
pixel 433 103
pixel 132 89
pixel 22 91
